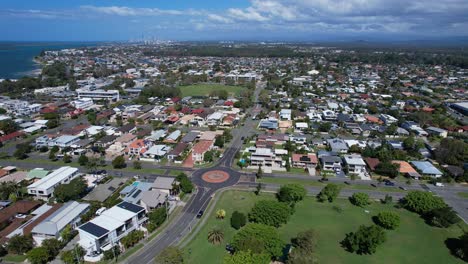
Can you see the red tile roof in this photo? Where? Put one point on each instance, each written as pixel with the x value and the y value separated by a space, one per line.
pixel 297 158
pixel 11 136
pixel 202 146
pixel 372 163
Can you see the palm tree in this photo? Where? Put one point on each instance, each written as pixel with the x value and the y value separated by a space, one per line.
pixel 215 236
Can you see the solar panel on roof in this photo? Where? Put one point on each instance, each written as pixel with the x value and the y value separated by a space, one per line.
pixel 304 158
pixel 94 229
pixel 136 193
pixel 130 207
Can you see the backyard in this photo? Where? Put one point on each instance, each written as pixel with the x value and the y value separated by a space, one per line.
pixel 413 242
pixel 205 89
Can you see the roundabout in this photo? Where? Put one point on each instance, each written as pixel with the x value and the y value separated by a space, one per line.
pixel 215 176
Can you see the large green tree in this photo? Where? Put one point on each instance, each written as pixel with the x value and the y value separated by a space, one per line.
pixel 387 220
pixel 38 255
pixel 422 202
pixel 19 244
pixel 259 238
pixel 271 213
pixel 360 199
pixel 74 190
pixel 442 217
pixel 329 193
pixel 365 240
pixel 170 255
pixel 247 257
pixel 119 162
pixel 238 220
pixel 291 193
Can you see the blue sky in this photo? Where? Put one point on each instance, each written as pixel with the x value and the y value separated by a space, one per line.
pixel 85 20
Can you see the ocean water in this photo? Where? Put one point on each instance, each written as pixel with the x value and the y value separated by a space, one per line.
pixel 16 58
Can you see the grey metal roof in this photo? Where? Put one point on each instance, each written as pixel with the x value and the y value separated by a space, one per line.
pixel 163 183
pixel 61 218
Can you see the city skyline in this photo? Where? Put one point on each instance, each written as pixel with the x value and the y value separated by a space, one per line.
pixel 289 20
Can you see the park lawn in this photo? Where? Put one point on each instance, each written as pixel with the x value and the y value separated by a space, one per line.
pixel 311 182
pixel 14 258
pixel 199 250
pixel 206 89
pixel 413 242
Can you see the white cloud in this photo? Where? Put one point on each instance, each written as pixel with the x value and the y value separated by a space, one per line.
pixel 218 18
pixel 375 16
pixel 248 14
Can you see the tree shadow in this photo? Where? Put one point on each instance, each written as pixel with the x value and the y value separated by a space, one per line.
pixel 453 244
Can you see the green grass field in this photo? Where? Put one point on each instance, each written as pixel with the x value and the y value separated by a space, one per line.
pixel 463 194
pixel 311 182
pixel 205 89
pixel 413 242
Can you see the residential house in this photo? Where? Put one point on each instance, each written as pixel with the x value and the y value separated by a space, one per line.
pixel 425 168
pixel 106 230
pixel 356 165
pixel 413 126
pixel 406 169
pixel 265 157
pixel 177 151
pixel 165 185
pixel 68 214
pixel 173 137
pixel 153 199
pixel 156 152
pixel 44 188
pixel 64 141
pixel 133 193
pixel 304 160
pixel 435 131
pixel 338 145
pixel 200 148
pixel 332 163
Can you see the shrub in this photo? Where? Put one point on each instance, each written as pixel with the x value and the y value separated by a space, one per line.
pixel 387 220
pixel 272 213
pixel 365 240
pixel 238 220
pixel 360 199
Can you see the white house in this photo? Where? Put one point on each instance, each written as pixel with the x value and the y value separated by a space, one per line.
pixel 64 141
pixel 285 114
pixel 355 164
pixel 110 95
pixel 106 230
pixel 44 188
pixel 83 103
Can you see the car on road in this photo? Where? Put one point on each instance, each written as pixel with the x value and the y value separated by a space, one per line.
pixel 347 182
pixel 439 184
pixel 373 185
pixel 389 183
pixel 200 214
pixel 403 188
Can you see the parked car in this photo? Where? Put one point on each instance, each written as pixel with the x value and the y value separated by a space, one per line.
pixel 439 184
